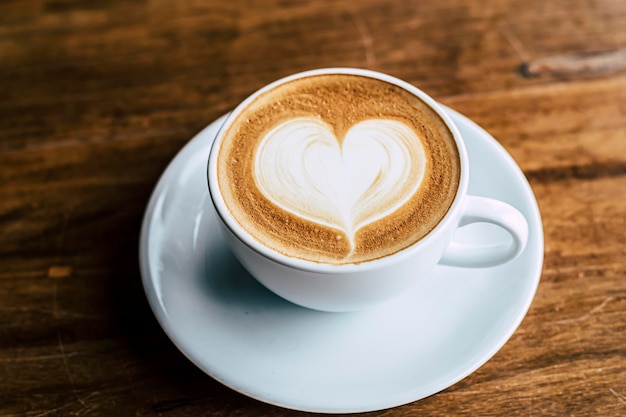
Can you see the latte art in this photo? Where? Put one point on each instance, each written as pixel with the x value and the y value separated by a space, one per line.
pixel 336 168
pixel 343 183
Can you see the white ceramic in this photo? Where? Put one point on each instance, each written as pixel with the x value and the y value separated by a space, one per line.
pixel 357 286
pixel 255 342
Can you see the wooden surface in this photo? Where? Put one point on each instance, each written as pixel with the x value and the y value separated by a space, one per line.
pixel 96 97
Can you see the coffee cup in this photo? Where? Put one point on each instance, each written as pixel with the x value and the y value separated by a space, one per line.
pixel 340 189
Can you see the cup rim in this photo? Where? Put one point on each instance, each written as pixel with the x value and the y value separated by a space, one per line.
pixel 246 238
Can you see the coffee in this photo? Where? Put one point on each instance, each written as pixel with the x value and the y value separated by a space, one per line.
pixel 337 168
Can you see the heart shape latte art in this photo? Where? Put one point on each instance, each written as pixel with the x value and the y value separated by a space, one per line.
pixel 301 167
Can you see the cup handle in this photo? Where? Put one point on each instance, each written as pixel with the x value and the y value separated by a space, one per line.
pixel 487 210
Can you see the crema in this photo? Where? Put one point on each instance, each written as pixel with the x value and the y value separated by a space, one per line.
pixel 338 168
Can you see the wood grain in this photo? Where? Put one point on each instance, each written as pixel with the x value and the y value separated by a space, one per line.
pixel 577 65
pixel 96 97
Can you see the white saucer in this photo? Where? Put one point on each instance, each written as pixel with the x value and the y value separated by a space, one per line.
pixel 256 343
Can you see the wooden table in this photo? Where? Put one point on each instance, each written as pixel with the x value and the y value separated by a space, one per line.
pixel 96 97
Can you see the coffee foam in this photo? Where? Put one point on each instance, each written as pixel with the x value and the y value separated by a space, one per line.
pixel 288 173
pixel 304 169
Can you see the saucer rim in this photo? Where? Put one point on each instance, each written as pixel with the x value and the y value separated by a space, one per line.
pixel 160 312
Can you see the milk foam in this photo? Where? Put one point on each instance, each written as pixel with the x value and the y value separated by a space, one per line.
pixel 303 168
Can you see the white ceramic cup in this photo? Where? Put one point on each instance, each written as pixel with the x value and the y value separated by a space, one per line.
pixel 357 286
